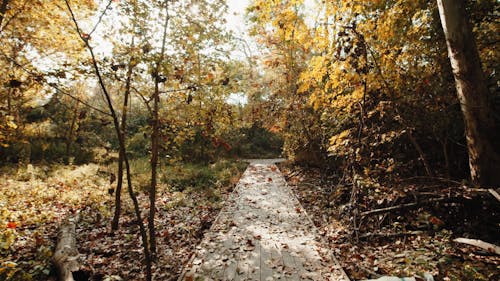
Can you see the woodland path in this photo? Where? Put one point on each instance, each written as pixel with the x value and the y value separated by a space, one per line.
pixel 262 233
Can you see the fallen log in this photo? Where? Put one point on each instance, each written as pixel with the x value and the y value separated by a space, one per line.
pixel 404 206
pixel 66 254
pixel 491 248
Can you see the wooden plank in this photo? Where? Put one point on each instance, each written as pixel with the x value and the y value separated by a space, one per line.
pixel 290 270
pixel 253 262
pixel 266 270
pixel 277 263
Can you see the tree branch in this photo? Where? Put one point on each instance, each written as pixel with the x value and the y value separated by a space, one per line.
pixel 404 206
pixel 491 248
pixel 57 88
pixel 100 17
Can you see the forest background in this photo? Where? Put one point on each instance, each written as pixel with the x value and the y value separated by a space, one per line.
pixel 100 95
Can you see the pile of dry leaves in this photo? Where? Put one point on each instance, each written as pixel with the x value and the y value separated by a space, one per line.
pixel 402 229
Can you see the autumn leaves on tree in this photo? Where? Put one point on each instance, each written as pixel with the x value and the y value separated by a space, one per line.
pixel 376 84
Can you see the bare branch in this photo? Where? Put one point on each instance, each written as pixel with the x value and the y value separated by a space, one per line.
pixel 100 17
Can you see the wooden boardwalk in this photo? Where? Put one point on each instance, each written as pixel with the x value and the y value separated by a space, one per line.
pixel 262 234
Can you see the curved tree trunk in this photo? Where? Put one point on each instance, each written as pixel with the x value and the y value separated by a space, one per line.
pixel 481 131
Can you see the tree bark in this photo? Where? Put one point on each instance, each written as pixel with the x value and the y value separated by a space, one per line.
pixel 155 138
pixel 481 131
pixel 66 253
pixel 3 10
pixel 69 136
pixel 123 131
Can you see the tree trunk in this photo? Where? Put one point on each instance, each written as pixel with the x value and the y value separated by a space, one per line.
pixel 3 10
pixel 123 131
pixel 121 142
pixel 417 146
pixel 70 137
pixel 472 91
pixel 155 139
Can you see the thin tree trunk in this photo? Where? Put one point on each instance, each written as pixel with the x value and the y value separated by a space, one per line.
pixel 121 142
pixel 155 139
pixel 123 130
pixel 481 131
pixel 69 138
pixel 421 153
pixel 446 157
pixel 3 10
pixel 9 101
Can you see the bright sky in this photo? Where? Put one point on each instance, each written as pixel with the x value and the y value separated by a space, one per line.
pixel 236 23
pixel 236 17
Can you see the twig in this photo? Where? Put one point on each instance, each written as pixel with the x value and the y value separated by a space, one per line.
pixel 80 101
pixel 392 234
pixel 403 206
pixel 494 193
pixel 434 178
pixel 491 248
pixel 420 152
pixel 100 17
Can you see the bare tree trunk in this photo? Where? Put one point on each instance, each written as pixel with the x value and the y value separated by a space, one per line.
pixel 446 156
pixel 123 131
pixel 481 131
pixel 3 10
pixel 121 142
pixel 70 137
pixel 155 138
pixel 421 153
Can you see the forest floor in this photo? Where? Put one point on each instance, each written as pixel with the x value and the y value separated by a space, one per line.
pixel 36 200
pixel 402 242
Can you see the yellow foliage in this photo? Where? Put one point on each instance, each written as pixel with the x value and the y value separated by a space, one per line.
pixel 339 140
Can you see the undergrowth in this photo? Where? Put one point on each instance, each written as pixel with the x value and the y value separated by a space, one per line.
pixel 35 199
